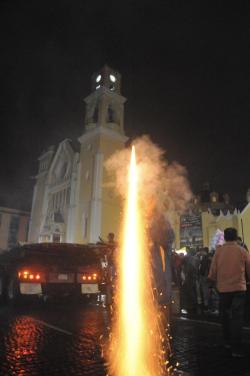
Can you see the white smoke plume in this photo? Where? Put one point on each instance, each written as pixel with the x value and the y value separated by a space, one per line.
pixel 163 187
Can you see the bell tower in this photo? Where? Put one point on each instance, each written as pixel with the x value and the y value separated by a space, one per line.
pixel 105 104
pixel 99 207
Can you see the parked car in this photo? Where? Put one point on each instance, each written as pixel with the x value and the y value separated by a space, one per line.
pixel 48 270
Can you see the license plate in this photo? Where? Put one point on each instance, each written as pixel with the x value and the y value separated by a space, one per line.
pixel 63 277
pixel 30 288
pixel 89 288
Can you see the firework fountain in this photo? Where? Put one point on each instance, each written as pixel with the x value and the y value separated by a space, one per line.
pixel 139 343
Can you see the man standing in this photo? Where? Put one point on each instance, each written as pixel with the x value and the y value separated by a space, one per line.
pixel 162 236
pixel 229 267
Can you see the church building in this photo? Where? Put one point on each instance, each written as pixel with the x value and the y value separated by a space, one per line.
pixel 73 200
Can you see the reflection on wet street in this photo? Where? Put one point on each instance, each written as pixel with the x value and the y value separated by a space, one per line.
pixel 64 339
pixel 52 340
pixel 22 344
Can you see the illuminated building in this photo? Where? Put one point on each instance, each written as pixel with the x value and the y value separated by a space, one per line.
pixel 208 213
pixel 73 200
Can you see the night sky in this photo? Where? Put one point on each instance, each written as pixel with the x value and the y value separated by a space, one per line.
pixel 184 73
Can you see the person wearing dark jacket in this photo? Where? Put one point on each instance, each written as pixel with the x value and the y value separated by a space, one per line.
pixel 161 235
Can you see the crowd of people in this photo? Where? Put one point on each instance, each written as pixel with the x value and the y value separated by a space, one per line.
pixel 217 282
pixel 190 275
pixel 198 294
pixel 210 282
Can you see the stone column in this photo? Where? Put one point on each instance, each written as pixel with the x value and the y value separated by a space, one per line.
pixel 96 201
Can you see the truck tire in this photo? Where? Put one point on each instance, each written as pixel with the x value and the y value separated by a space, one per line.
pixel 13 292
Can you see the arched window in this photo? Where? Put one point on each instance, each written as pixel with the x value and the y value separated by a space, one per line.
pixel 111 115
pixel 95 115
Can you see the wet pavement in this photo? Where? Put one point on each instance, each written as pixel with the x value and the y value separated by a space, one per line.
pixel 198 348
pixel 51 340
pixel 64 339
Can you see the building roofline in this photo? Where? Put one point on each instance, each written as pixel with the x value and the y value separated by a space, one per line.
pixel 7 210
pixel 245 208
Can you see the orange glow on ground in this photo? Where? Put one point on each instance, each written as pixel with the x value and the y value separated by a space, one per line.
pixel 136 343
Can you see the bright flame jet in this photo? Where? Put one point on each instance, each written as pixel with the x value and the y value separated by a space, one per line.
pixel 136 341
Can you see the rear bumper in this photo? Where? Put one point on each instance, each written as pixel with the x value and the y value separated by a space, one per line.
pixel 59 289
pixel 47 289
pixel 55 289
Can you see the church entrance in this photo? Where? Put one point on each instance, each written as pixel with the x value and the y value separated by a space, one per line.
pixel 56 238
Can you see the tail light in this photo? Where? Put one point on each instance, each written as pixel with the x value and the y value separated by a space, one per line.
pixel 87 277
pixel 31 276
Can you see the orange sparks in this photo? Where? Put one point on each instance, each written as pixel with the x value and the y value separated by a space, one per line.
pixel 136 341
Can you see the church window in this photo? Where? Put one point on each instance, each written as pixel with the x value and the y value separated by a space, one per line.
pixel 43 166
pixel 13 231
pixel 87 175
pixel 111 115
pixel 60 199
pixel 95 115
pixel 68 196
pixel 49 203
pixel 64 197
pixel 58 217
pixel 57 200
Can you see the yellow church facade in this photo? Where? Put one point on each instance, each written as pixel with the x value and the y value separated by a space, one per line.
pixel 244 225
pixel 73 199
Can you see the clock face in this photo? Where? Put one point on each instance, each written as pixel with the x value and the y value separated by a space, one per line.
pixel 112 78
pixel 98 78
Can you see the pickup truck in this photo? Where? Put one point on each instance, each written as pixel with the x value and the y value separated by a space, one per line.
pixel 48 270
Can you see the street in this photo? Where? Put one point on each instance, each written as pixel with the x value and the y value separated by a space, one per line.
pixel 55 339
pixel 64 339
